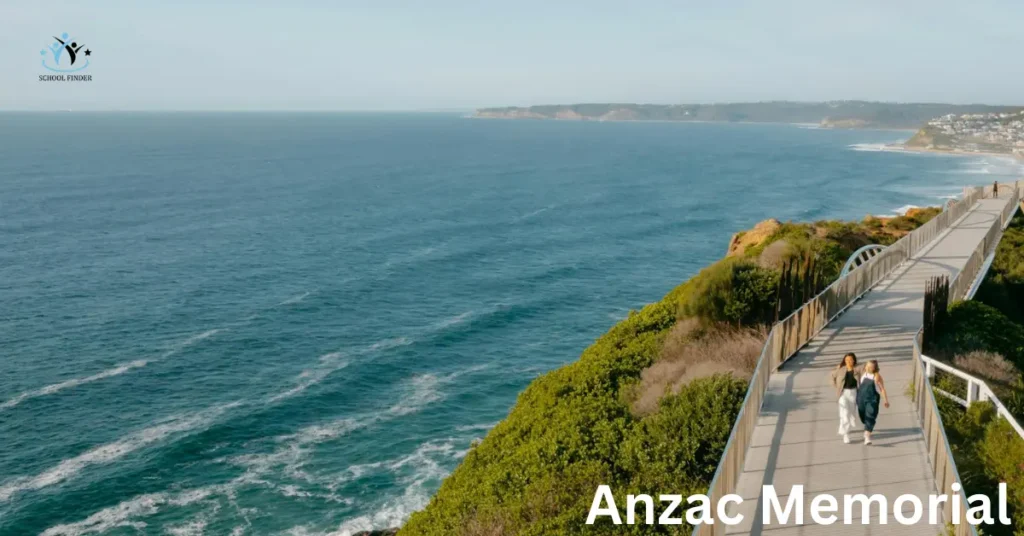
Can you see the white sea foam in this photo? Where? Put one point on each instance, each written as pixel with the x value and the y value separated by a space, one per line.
pixel 74 382
pixel 319 433
pixel 477 427
pixel 288 456
pixel 531 214
pixel 104 454
pixel 451 321
pixel 388 344
pixel 109 373
pixel 327 364
pixel 905 208
pixel 419 471
pixel 124 513
pixel 391 514
pixel 420 391
pixel 293 449
pixel 192 528
pixel 196 338
pixel 871 147
pixel 412 256
pixel 424 389
pixel 295 299
pixel 332 362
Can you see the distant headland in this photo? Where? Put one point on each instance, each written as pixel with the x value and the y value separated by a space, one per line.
pixel 831 114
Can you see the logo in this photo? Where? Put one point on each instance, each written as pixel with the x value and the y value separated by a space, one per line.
pixel 65 55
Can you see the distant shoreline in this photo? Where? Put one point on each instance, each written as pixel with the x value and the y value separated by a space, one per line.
pixel 804 125
pixel 903 148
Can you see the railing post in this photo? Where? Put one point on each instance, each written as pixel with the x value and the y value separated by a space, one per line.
pixel 929 370
pixel 972 392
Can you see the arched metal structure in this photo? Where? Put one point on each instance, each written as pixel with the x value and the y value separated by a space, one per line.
pixel 861 256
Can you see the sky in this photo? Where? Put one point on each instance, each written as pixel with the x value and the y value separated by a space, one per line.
pixel 460 55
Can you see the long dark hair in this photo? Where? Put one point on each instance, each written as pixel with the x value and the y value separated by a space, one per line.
pixel 842 362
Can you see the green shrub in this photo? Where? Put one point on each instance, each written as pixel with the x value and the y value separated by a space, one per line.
pixel 1003 287
pixel 974 326
pixel 733 291
pixel 987 451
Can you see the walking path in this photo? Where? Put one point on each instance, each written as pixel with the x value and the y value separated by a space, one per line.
pixel 795 441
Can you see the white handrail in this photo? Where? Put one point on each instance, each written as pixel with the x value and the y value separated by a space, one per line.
pixel 977 390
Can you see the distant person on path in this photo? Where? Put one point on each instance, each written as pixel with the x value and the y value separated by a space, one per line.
pixel 845 378
pixel 868 391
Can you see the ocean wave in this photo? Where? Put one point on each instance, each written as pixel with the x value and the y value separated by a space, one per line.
pixel 387 344
pixel 531 214
pixel 124 513
pixel 420 391
pixel 327 364
pixel 192 528
pixel 419 472
pixel 476 427
pixel 424 389
pixel 295 299
pixel 292 450
pixel 288 457
pixel 109 373
pixel 451 321
pixel 332 362
pixel 196 338
pixel 411 257
pixel 104 454
pixel 870 147
pixel 904 209
pixel 74 382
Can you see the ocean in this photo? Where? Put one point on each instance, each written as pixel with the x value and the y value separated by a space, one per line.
pixel 298 323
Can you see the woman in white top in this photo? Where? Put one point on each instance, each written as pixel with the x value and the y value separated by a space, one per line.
pixel 845 379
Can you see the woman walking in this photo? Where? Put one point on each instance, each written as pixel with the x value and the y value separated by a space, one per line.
pixel 868 391
pixel 845 379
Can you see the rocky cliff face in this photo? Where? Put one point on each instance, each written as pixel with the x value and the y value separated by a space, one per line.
pixel 830 122
pixel 744 239
pixel 921 139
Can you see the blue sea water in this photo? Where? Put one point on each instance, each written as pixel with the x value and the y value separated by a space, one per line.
pixel 298 323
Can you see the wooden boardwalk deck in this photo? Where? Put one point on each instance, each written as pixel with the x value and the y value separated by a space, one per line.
pixel 795 440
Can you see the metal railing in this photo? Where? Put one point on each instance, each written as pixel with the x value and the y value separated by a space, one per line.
pixel 860 257
pixel 792 333
pixel 940 455
pixel 976 390
pixel 937 444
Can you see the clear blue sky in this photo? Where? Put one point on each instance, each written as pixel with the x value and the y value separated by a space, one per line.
pixel 446 54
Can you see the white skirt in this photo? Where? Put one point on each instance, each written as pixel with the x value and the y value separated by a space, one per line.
pixel 847 411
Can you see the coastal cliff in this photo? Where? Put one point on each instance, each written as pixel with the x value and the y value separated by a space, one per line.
pixel 651 403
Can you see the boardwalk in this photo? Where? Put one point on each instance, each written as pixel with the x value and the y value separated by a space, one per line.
pixel 795 441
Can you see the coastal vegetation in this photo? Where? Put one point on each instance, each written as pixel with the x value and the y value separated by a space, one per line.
pixel 985 337
pixel 649 405
pixel 833 114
